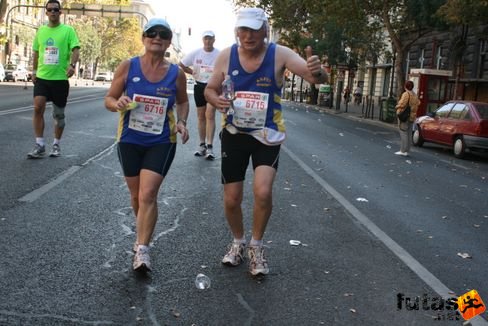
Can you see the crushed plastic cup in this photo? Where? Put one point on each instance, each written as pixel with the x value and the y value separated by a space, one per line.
pixel 202 281
pixel 295 242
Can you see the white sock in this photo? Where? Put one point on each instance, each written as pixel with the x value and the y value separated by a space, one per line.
pixel 256 243
pixel 143 248
pixel 56 141
pixel 40 141
pixel 240 241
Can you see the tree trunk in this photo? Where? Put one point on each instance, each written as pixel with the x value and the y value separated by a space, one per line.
pixel 399 72
pixel 3 10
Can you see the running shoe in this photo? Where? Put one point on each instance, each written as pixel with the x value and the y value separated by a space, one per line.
pixel 401 153
pixel 235 255
pixel 209 155
pixel 257 262
pixel 142 261
pixel 55 151
pixel 38 152
pixel 202 149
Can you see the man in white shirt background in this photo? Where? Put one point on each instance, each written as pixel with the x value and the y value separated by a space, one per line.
pixel 200 64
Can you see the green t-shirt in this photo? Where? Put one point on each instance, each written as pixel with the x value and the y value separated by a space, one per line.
pixel 54 45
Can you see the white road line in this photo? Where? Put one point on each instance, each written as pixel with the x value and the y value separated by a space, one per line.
pixel 35 194
pixel 401 253
pixel 30 107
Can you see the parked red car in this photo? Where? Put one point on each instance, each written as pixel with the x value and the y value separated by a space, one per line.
pixel 460 124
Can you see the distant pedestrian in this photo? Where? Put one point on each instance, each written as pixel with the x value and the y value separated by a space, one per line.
pixel 358 94
pixel 56 50
pixel 80 73
pixel 347 95
pixel 200 64
pixel 256 127
pixel 408 98
pixel 145 91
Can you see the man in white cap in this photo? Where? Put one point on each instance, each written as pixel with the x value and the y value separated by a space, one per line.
pixel 256 128
pixel 200 64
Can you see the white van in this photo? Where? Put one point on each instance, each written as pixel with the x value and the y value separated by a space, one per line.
pixel 2 73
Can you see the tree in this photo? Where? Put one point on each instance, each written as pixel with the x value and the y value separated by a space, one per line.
pixel 360 24
pixel 90 41
pixel 114 35
pixel 462 15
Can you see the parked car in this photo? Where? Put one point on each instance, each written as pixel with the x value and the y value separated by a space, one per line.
pixel 14 73
pixel 462 125
pixel 103 76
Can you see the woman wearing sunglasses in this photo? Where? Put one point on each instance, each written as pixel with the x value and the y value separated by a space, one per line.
pixel 145 90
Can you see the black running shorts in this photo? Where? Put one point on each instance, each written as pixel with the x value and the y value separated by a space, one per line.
pixel 198 90
pixel 158 158
pixel 236 151
pixel 56 91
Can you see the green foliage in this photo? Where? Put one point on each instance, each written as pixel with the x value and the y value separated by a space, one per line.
pixel 464 12
pixel 90 40
pixel 106 41
pixel 351 31
pixel 98 2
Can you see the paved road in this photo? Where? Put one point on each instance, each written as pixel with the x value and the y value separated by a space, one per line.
pixel 67 241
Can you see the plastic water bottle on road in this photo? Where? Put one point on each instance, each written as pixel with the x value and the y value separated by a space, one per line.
pixel 202 281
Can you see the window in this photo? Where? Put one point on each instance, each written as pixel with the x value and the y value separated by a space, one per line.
pixel 439 58
pixel 483 60
pixel 458 111
pixel 422 59
pixel 483 111
pixel 436 89
pixel 386 82
pixel 443 111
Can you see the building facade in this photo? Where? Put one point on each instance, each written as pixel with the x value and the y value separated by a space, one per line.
pixel 462 51
pixel 23 19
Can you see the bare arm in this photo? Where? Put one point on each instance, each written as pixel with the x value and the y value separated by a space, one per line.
pixel 182 106
pixel 186 69
pixel 115 100
pixel 35 60
pixel 214 85
pixel 310 70
pixel 75 56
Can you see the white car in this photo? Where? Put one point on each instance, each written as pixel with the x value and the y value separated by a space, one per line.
pixel 14 73
pixel 103 76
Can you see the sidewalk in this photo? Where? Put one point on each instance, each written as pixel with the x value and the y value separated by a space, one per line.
pixel 353 111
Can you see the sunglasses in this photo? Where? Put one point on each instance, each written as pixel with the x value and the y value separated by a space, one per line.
pixel 53 10
pixel 164 34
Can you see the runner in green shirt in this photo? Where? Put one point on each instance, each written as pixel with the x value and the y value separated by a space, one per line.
pixel 56 51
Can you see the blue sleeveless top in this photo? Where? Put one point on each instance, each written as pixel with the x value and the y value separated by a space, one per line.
pixel 262 81
pixel 153 121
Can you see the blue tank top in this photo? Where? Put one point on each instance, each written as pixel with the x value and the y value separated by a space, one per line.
pixel 153 121
pixel 258 98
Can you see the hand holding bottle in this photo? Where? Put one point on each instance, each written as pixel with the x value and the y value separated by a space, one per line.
pixel 228 93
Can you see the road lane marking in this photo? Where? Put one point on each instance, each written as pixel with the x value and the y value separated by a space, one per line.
pixel 30 107
pixel 37 193
pixel 401 253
